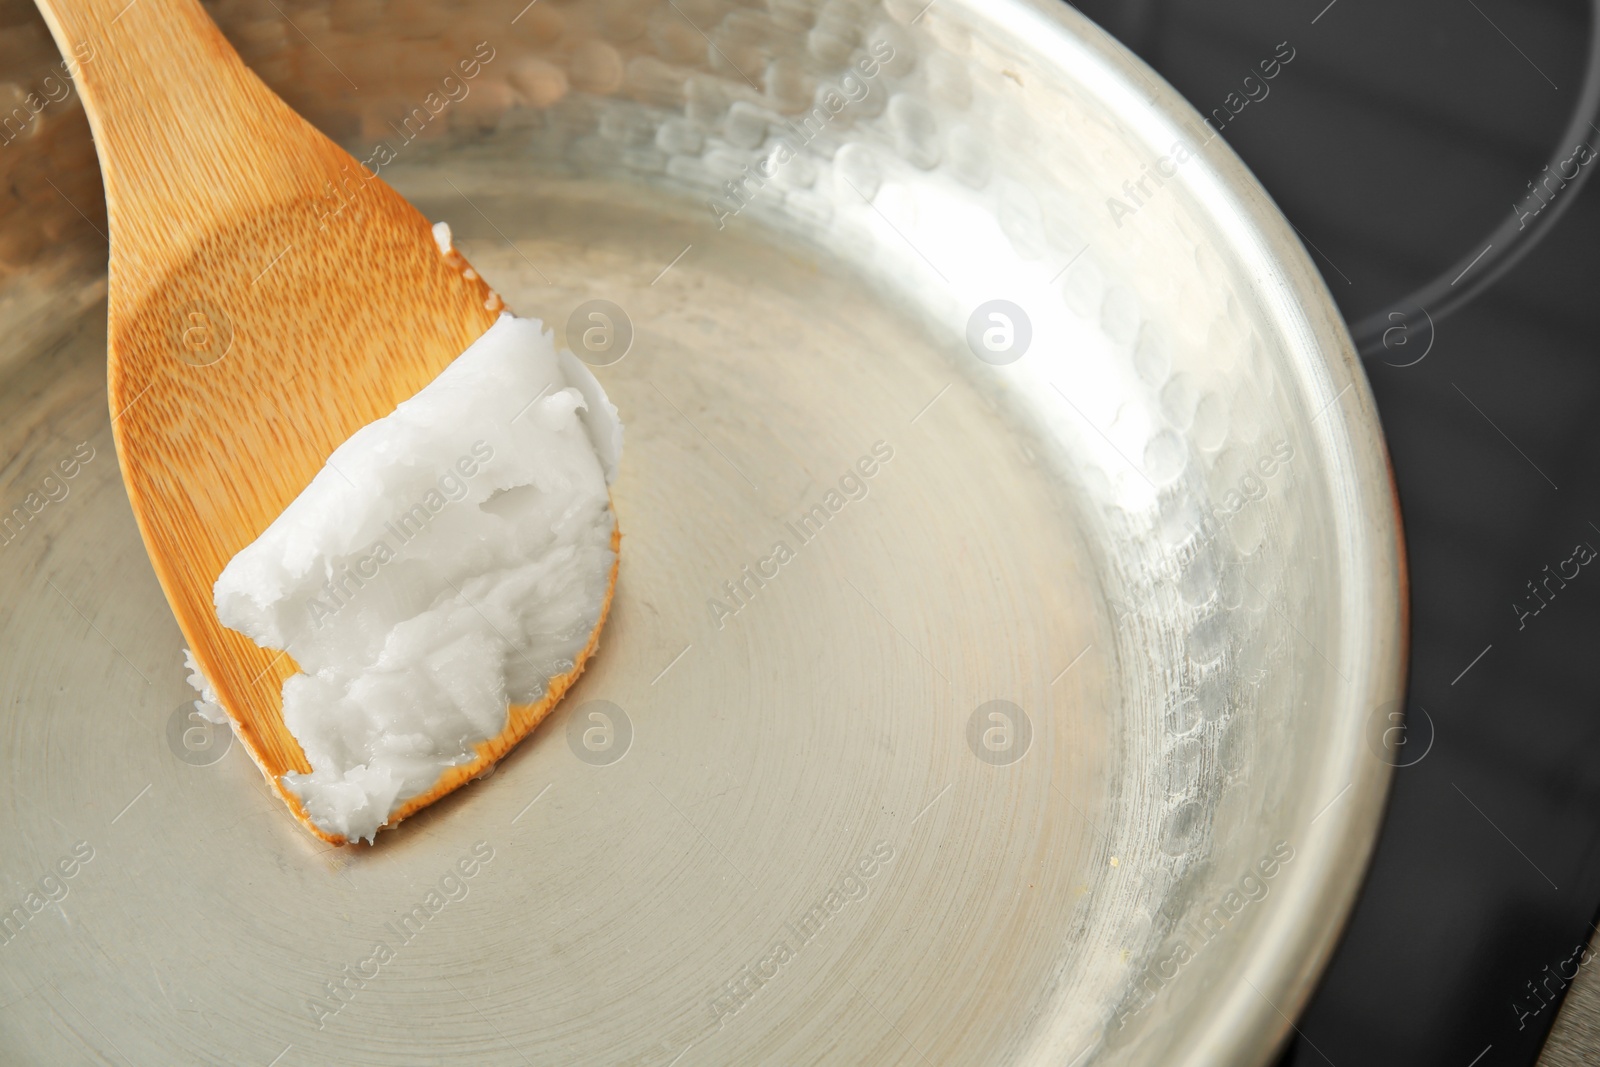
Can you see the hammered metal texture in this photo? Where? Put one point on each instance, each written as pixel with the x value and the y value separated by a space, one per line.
pixel 989 765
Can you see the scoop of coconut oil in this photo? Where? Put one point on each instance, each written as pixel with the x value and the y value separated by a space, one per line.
pixel 447 561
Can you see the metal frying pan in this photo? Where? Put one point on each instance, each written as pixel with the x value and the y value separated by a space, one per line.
pixel 1010 624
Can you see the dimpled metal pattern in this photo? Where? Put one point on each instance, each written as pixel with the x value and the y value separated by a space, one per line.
pixel 990 765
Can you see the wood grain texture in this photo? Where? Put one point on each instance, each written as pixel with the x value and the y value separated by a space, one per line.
pixel 268 297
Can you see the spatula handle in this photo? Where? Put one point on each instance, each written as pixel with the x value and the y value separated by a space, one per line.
pixel 186 133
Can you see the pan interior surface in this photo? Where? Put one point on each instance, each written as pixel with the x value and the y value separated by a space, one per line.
pixel 1009 612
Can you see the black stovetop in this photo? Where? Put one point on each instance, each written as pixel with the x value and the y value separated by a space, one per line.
pixel 1403 133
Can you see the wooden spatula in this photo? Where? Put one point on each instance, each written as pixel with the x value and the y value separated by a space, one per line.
pixel 268 297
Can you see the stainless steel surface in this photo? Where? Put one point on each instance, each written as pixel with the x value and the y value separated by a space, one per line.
pixel 1164 537
pixel 1574 1038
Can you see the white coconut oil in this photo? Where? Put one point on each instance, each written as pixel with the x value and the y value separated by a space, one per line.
pixel 447 561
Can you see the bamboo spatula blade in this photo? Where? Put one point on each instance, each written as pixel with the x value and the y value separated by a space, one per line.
pixel 268 296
